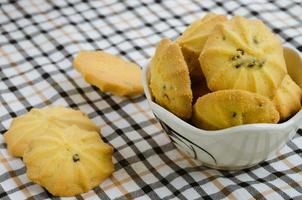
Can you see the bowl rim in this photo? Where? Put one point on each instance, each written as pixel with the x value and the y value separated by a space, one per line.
pixel 255 127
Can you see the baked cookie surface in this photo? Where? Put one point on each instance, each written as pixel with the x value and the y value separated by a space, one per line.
pixel 38 121
pixel 68 161
pixel 194 37
pixel 288 98
pixel 170 82
pixel 227 108
pixel 109 73
pixel 243 54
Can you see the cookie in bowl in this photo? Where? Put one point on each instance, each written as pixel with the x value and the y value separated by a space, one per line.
pixel 170 82
pixel 194 37
pixel 288 98
pixel 227 108
pixel 243 54
pixel 246 96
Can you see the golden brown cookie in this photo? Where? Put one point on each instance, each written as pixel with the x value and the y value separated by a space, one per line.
pixel 68 161
pixel 38 121
pixel 170 82
pixel 243 54
pixel 288 98
pixel 109 73
pixel 227 108
pixel 194 37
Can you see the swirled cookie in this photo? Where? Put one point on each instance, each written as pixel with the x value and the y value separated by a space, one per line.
pixel 170 82
pixel 243 54
pixel 227 108
pixel 68 161
pixel 288 98
pixel 38 121
pixel 194 37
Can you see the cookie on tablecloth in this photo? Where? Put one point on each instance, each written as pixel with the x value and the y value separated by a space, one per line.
pixel 109 73
pixel 68 161
pixel 37 122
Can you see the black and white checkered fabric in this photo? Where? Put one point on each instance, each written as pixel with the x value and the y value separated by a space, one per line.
pixel 38 40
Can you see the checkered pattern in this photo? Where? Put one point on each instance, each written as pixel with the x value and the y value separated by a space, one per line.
pixel 38 40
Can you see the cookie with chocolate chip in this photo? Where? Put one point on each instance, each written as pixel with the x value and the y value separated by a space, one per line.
pixel 68 161
pixel 38 121
pixel 227 108
pixel 170 82
pixel 243 54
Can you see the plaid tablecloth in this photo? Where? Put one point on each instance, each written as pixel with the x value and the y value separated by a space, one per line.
pixel 38 40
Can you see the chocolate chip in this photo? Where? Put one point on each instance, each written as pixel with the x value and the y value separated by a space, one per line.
pixel 252 64
pixel 76 157
pixel 241 51
pixel 166 96
pixel 235 57
pixel 255 40
pixel 234 114
pixel 261 63
pixel 238 65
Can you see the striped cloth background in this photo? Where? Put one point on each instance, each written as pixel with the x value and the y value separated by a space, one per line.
pixel 38 40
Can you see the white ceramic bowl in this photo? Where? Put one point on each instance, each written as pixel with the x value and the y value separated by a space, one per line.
pixel 232 148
